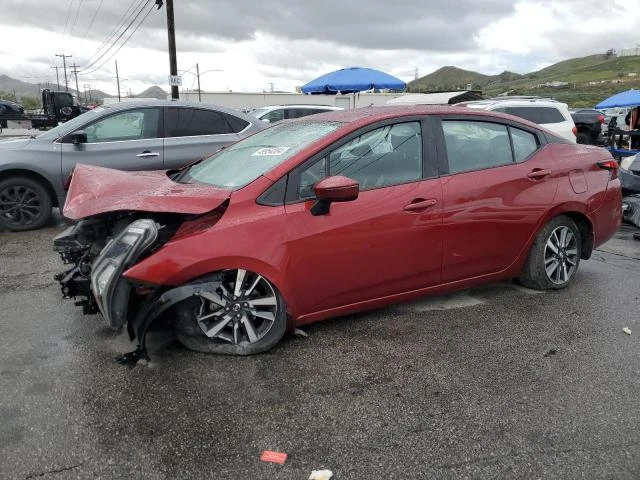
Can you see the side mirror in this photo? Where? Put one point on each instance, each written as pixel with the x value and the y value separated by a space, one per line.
pixel 333 189
pixel 265 120
pixel 78 137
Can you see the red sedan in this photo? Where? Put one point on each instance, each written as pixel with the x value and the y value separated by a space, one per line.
pixel 333 214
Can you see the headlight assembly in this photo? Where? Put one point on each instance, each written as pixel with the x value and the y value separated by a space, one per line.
pixel 119 254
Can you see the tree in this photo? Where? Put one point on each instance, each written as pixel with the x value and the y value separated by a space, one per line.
pixel 29 103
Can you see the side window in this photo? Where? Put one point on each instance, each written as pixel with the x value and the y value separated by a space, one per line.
pixel 236 124
pixel 274 116
pixel 539 115
pixel 524 144
pixel 475 145
pixel 188 122
pixel 129 125
pixel 310 176
pixel 386 156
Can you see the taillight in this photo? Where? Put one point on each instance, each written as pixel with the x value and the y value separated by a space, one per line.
pixel 610 165
pixel 601 118
pixel 575 131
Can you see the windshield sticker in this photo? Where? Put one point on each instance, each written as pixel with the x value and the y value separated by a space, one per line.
pixel 269 151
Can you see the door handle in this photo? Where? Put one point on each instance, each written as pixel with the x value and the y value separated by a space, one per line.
pixel 147 154
pixel 539 173
pixel 420 204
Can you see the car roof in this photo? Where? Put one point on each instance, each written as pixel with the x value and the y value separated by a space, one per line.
pixel 299 105
pixel 520 102
pixel 175 103
pixel 373 114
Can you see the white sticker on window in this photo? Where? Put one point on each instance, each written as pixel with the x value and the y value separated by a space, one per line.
pixel 270 151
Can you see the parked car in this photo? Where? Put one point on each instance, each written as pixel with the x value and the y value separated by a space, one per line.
pixel 9 109
pixel 630 174
pixel 276 113
pixel 334 214
pixel 152 135
pixel 589 123
pixel 545 112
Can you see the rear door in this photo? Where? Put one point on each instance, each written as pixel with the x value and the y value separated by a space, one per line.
pixel 498 180
pixel 125 140
pixel 193 133
pixel 387 241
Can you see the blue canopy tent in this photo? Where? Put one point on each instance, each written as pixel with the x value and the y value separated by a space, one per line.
pixel 352 80
pixel 629 98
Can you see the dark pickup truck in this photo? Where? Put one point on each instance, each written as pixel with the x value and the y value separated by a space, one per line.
pixel 588 124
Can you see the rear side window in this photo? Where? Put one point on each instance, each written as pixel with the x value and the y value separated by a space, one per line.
pixel 539 115
pixel 475 145
pixel 524 144
pixel 236 124
pixel 188 122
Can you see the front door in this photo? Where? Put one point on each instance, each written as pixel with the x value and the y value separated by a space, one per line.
pixel 387 241
pixel 126 140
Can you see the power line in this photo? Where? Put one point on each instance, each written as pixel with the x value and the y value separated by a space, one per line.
pixel 66 21
pixel 93 19
pixel 121 45
pixel 94 62
pixel 114 32
pixel 75 20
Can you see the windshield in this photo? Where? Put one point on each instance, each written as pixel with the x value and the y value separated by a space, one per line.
pixel 243 162
pixel 72 124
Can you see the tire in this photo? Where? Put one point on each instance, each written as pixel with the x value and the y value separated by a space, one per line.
pixel 542 257
pixel 229 315
pixel 583 137
pixel 25 204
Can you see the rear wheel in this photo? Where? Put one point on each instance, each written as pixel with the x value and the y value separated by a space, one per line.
pixel 583 137
pixel 554 256
pixel 24 204
pixel 243 315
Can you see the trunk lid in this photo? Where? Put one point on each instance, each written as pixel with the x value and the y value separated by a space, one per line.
pixel 97 190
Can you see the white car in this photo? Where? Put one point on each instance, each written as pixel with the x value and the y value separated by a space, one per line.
pixel 550 114
pixel 275 113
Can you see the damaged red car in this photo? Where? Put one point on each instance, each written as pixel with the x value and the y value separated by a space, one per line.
pixel 333 214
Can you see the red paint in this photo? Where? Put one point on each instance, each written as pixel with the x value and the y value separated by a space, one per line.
pixel 96 190
pixel 273 457
pixel 390 244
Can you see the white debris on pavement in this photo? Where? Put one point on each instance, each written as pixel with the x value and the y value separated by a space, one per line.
pixel 321 475
pixel 627 330
pixel 300 333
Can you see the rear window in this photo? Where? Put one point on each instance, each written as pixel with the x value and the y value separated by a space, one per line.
pixel 188 122
pixel 539 115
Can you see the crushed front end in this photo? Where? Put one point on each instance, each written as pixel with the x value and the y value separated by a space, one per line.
pixel 98 251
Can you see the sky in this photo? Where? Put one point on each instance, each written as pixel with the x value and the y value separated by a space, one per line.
pixel 257 45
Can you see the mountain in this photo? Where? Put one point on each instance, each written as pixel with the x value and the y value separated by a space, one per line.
pixel 448 78
pixel 154 92
pixel 16 89
pixel 580 82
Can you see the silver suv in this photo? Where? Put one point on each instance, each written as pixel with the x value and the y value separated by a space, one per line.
pixel 152 135
pixel 546 112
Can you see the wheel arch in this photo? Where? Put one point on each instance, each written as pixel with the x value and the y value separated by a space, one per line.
pixel 577 213
pixel 33 175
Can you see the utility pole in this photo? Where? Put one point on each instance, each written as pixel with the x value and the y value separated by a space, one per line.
pixel 271 85
pixel 57 76
pixel 75 72
pixel 173 62
pixel 118 80
pixel 198 73
pixel 64 63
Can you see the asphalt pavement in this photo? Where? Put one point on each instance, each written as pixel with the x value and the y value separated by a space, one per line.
pixel 492 382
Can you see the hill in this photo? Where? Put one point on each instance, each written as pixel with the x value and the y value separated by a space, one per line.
pixel 580 82
pixel 154 92
pixel 14 89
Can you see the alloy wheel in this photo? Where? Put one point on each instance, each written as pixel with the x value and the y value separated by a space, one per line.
pixel 19 205
pixel 561 255
pixel 241 310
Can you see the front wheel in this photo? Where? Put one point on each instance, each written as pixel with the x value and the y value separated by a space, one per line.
pixel 24 204
pixel 554 256
pixel 243 315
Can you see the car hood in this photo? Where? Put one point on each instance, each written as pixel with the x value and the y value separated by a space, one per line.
pixel 97 190
pixel 14 143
